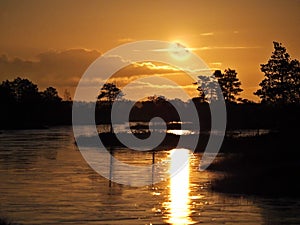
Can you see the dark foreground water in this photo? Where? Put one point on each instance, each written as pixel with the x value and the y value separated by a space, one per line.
pixel 45 180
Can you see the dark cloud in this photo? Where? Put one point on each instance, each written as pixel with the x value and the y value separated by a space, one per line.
pixel 59 69
pixel 64 69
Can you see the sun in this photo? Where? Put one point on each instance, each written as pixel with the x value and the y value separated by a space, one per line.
pixel 178 51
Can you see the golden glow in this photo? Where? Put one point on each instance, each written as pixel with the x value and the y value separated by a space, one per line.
pixel 156 67
pixel 152 72
pixel 178 51
pixel 179 205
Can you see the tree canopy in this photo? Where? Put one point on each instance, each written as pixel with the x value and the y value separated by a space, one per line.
pixel 281 83
pixel 23 91
pixel 50 95
pixel 228 82
pixel 110 92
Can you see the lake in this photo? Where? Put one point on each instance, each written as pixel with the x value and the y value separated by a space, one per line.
pixel 45 180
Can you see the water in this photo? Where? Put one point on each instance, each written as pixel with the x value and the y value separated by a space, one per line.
pixel 45 180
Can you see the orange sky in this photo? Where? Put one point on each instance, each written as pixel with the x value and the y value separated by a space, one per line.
pixel 56 40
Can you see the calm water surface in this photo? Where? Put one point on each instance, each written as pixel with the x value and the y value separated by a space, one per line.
pixel 45 180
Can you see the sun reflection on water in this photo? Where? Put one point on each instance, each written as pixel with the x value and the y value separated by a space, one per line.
pixel 179 201
pixel 180 132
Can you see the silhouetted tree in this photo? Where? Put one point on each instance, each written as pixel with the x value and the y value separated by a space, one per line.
pixel 282 78
pixel 207 89
pixel 6 94
pixel 23 106
pixel 20 91
pixel 229 83
pixel 109 93
pixel 50 95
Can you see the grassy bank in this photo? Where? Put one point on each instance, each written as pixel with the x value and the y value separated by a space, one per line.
pixel 266 165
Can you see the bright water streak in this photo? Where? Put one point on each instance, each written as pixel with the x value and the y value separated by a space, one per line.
pixel 179 187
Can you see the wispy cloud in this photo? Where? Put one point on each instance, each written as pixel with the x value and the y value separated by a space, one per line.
pixel 223 48
pixel 207 34
pixel 150 87
pixel 125 40
pixel 143 84
pixel 216 64
pixel 206 48
pixel 156 67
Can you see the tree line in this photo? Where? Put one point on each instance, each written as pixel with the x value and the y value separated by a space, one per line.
pixel 23 91
pixel 23 104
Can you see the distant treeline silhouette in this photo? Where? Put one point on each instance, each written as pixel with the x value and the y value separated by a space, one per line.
pixel 24 106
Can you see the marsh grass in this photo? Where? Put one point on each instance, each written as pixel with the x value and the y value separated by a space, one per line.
pixel 267 166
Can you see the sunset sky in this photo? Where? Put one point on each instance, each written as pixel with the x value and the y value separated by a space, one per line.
pixel 53 42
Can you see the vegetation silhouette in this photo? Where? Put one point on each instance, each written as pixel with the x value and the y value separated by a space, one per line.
pixel 23 106
pixel 109 92
pixel 265 165
pixel 228 82
pixel 268 165
pixel 281 84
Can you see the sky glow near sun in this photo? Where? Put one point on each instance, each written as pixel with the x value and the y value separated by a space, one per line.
pixel 179 51
pixel 161 82
pixel 55 43
pixel 171 73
